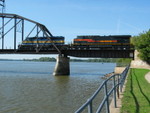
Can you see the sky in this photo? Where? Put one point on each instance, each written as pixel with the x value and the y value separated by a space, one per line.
pixel 70 18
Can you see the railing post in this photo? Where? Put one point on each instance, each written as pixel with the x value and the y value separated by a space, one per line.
pixel 121 78
pixel 107 98
pixel 114 86
pixel 118 85
pixel 90 110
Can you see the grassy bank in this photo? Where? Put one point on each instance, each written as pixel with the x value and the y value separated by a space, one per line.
pixel 137 93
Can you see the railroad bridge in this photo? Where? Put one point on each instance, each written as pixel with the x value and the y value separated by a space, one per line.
pixel 14 29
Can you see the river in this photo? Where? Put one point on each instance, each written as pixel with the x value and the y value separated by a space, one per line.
pixel 30 87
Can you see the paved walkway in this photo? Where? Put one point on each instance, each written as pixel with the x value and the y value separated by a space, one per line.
pixel 147 77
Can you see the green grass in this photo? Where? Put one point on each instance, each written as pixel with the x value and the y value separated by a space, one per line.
pixel 137 93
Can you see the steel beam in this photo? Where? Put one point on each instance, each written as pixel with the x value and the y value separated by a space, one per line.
pixel 3 21
pixel 22 29
pixel 15 32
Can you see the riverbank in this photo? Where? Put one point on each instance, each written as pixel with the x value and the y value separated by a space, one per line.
pixel 134 99
pixel 107 75
pixel 137 65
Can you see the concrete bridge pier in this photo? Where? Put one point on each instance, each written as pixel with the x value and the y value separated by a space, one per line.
pixel 62 67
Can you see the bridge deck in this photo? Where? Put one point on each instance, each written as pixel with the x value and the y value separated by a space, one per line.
pixel 77 53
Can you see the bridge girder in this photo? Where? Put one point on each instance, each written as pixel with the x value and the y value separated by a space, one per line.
pixel 40 28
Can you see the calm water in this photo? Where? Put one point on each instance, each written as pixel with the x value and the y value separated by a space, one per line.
pixel 30 87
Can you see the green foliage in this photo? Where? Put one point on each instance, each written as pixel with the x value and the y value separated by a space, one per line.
pixel 47 59
pixel 42 59
pixel 137 94
pixel 102 60
pixel 142 44
pixel 123 62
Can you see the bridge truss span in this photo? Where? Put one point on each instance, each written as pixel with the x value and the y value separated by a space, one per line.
pixel 20 35
pixel 14 29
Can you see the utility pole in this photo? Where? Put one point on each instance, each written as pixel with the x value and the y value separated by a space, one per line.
pixel 2 5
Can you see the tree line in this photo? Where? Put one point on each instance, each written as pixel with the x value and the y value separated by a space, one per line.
pixel 142 44
pixel 118 61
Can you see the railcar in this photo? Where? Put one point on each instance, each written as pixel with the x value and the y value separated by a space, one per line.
pixel 31 43
pixel 118 42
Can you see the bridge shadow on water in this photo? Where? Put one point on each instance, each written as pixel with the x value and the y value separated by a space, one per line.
pixel 136 101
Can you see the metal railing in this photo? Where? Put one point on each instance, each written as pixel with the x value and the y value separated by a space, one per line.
pixel 118 81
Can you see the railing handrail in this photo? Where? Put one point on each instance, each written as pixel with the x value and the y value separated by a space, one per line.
pixel 88 103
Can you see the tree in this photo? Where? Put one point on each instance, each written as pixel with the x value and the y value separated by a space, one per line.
pixel 142 44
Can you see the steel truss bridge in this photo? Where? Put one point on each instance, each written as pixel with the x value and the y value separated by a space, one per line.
pixel 14 29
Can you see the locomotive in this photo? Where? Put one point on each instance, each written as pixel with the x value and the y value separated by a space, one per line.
pixel 103 42
pixel 31 43
pixel 89 42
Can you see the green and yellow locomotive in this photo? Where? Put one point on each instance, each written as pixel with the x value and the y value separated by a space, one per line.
pixel 31 43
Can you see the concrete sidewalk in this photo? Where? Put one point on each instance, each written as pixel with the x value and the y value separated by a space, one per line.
pixel 147 77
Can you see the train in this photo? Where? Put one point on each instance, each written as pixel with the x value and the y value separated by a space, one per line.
pixel 115 42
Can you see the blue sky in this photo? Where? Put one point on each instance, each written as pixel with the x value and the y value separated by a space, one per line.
pixel 70 18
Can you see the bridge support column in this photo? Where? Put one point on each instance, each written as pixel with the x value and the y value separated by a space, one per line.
pixel 62 66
